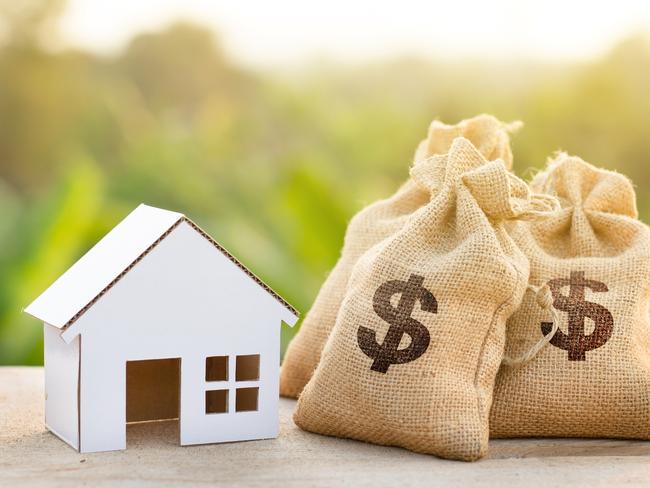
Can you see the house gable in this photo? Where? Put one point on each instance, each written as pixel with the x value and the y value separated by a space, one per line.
pixel 183 286
pixel 77 290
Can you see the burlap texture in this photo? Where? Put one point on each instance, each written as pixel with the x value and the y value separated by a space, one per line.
pixel 595 380
pixel 369 227
pixel 472 278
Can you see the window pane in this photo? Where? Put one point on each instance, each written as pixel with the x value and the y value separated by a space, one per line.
pixel 216 368
pixel 216 401
pixel 248 368
pixel 246 399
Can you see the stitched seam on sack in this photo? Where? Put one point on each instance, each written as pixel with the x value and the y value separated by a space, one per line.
pixel 487 334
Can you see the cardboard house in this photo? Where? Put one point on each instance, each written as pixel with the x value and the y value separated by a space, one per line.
pixel 158 321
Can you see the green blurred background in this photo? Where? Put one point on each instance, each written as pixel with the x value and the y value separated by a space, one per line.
pixel 273 163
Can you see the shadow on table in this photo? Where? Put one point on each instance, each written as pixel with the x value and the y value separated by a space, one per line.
pixel 543 448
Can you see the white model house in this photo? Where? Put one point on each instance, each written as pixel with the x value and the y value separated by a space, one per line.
pixel 158 321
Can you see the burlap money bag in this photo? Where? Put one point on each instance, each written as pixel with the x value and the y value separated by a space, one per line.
pixel 593 379
pixel 412 358
pixel 370 226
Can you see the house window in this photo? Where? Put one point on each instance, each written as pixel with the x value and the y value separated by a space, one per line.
pixel 216 401
pixel 243 392
pixel 246 399
pixel 216 368
pixel 248 368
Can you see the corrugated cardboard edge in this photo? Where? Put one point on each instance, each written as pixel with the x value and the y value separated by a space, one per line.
pixel 79 400
pixel 242 267
pixel 223 250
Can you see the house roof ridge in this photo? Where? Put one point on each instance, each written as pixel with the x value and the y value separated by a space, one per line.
pixel 206 236
pixel 122 273
pixel 240 265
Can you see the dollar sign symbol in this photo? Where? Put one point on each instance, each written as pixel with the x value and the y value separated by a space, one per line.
pixel 401 323
pixel 576 342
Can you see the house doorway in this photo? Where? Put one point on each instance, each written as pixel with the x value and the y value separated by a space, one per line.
pixel 153 400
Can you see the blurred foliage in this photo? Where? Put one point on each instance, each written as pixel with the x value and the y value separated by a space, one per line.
pixel 273 164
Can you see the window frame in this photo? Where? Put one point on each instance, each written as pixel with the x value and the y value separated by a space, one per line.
pixel 232 385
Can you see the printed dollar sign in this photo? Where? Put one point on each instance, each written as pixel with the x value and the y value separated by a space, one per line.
pixel 401 323
pixel 576 342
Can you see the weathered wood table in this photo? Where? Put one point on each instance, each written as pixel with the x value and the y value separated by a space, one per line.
pixel 31 456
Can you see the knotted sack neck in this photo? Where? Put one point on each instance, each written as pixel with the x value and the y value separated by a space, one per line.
pixel 598 215
pixel 488 134
pixel 499 193
pixel 581 185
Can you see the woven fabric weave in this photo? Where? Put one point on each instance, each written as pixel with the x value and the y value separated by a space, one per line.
pixel 369 227
pixel 441 288
pixel 593 379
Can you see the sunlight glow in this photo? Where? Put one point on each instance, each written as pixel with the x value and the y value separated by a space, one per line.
pixel 286 31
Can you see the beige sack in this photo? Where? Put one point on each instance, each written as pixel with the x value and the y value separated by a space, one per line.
pixel 372 225
pixel 593 379
pixel 419 338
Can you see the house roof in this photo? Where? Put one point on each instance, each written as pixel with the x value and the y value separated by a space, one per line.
pixel 110 259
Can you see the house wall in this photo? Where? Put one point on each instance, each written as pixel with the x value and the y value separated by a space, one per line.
pixel 61 385
pixel 184 299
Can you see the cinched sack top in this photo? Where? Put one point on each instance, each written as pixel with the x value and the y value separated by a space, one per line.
pixel 598 215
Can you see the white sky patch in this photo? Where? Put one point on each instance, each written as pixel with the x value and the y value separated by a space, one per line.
pixel 286 31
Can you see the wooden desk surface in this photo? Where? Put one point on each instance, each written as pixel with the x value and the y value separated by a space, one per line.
pixel 31 456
